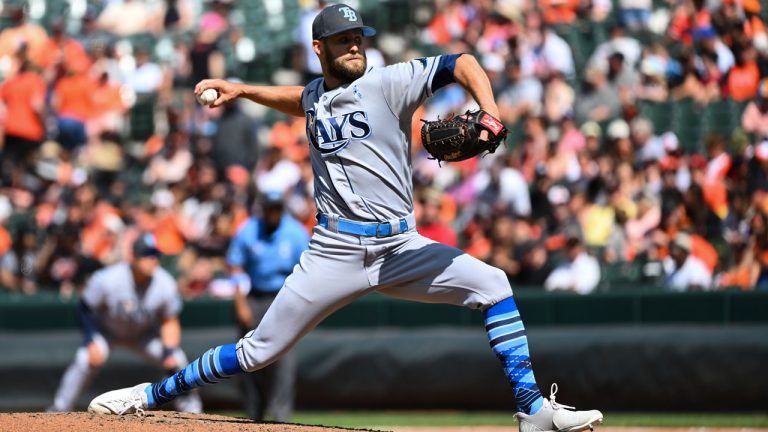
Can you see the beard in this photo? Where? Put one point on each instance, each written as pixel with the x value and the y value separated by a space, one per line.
pixel 343 70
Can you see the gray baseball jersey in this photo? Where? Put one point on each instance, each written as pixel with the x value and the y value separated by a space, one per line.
pixel 360 135
pixel 124 312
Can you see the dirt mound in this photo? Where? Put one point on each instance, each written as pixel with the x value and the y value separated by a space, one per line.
pixel 167 421
pixel 156 421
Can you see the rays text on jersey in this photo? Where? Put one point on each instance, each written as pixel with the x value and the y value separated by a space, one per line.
pixel 330 135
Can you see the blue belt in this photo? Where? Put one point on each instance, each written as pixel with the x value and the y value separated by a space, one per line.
pixel 366 229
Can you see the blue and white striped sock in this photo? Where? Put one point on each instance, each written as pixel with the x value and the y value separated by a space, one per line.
pixel 216 364
pixel 507 336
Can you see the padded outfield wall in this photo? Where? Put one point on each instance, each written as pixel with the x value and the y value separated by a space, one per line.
pixel 380 353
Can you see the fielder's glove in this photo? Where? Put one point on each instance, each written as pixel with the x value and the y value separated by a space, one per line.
pixel 458 138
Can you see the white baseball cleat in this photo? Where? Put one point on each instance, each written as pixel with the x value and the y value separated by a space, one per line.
pixel 554 417
pixel 130 400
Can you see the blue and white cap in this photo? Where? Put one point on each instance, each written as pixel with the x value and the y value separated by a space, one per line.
pixel 145 246
pixel 336 19
pixel 273 198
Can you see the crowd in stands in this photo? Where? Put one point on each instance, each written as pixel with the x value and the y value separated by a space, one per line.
pixel 595 189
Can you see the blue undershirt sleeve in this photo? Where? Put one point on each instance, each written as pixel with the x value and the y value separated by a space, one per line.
pixel 87 322
pixel 444 73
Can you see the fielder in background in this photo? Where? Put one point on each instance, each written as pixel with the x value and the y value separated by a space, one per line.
pixel 133 305
pixel 261 255
pixel 359 122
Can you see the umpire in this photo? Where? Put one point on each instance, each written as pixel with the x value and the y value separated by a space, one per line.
pixel 261 255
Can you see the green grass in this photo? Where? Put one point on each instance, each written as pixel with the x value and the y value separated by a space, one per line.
pixel 384 419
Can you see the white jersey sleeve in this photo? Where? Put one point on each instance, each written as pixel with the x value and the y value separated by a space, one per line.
pixel 171 300
pixel 407 85
pixel 95 292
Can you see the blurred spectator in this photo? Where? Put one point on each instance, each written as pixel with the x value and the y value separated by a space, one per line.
pixel 72 101
pixel 599 101
pixel 559 11
pixel 22 40
pixel 558 98
pixel 580 273
pixel 543 52
pixel 20 264
pixel 688 17
pixel 172 163
pixel 305 55
pixel 130 17
pixel 619 42
pixel 430 224
pixel 649 147
pixel 274 173
pixel 647 217
pixel 91 37
pixel 692 82
pixel 755 117
pixel 64 53
pixel 719 165
pixel 513 190
pixel 744 271
pixel 653 75
pixel 597 220
pixel 535 266
pixel 23 97
pixel 624 78
pixel 147 76
pixel 619 143
pixel 205 57
pixel 235 141
pixel 178 15
pixel 684 271
pixel 502 253
pixel 635 13
pixel 449 23
pixel 711 45
pixel 522 95
pixel 108 106
pixel 617 247
pixel 63 265
pixel 743 79
pixel 599 10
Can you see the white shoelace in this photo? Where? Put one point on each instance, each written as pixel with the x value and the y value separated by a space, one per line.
pixel 135 404
pixel 555 405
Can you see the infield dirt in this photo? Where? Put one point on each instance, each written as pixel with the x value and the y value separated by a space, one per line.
pixel 156 421
pixel 166 421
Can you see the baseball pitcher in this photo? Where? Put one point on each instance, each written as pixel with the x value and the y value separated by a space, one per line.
pixel 358 125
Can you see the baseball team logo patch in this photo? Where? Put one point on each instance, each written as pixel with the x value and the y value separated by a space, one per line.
pixel 348 13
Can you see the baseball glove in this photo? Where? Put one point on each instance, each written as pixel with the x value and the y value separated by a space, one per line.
pixel 458 137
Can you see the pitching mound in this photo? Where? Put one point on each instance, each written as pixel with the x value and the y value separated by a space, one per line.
pixel 155 421
pixel 598 429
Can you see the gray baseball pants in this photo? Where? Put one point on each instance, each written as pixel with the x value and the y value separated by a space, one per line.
pixel 339 268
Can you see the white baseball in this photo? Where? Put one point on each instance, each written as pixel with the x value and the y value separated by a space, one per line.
pixel 207 97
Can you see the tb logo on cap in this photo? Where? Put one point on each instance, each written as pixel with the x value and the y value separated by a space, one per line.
pixel 348 13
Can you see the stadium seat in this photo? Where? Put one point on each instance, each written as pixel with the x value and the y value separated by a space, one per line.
pixel 659 113
pixel 142 116
pixel 687 123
